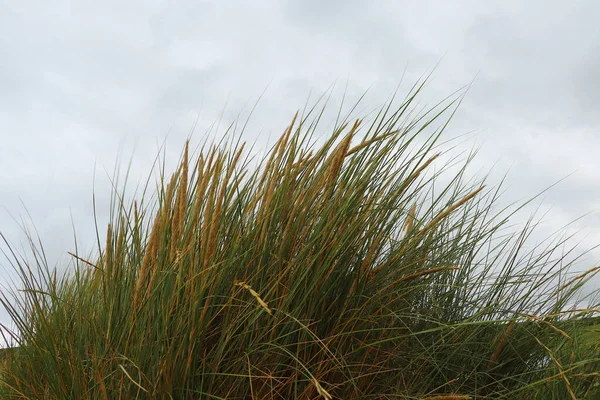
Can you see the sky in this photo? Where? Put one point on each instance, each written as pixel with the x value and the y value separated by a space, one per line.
pixel 87 84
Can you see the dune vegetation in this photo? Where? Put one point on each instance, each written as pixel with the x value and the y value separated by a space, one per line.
pixel 344 270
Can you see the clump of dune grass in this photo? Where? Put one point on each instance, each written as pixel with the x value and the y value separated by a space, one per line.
pixel 339 271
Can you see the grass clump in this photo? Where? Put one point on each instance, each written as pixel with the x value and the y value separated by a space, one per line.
pixel 335 272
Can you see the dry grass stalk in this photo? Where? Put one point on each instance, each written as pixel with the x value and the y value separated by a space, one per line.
pixel 334 170
pixel 180 205
pixel 221 199
pixel 448 211
pixel 120 239
pixel 136 233
pixel 367 143
pixel 410 218
pixel 427 272
pixel 149 260
pixel 501 342
pixel 552 326
pixel 375 270
pixel 577 278
pixel 273 165
pixel 371 254
pixel 209 214
pixel 338 155
pixel 201 184
pixel 82 260
pixel 302 162
pixel 416 174
pixel 320 390
pixel 168 200
pixel 108 252
pixel 278 151
pixel 216 217
pixel 561 370
pixel 255 295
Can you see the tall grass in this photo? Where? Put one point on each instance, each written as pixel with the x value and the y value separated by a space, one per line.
pixel 338 271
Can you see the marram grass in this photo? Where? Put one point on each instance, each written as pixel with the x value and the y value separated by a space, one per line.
pixel 331 272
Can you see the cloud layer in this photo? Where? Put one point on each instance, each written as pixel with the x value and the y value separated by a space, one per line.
pixel 81 82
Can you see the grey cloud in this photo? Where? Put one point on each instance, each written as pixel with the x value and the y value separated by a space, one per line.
pixel 79 83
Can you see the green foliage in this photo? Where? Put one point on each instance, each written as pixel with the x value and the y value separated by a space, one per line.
pixel 339 271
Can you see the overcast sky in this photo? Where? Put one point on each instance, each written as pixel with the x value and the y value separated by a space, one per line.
pixel 85 82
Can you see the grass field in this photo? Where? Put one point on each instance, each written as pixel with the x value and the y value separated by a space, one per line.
pixel 348 270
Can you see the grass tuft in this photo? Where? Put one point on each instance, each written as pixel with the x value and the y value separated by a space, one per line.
pixel 349 270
